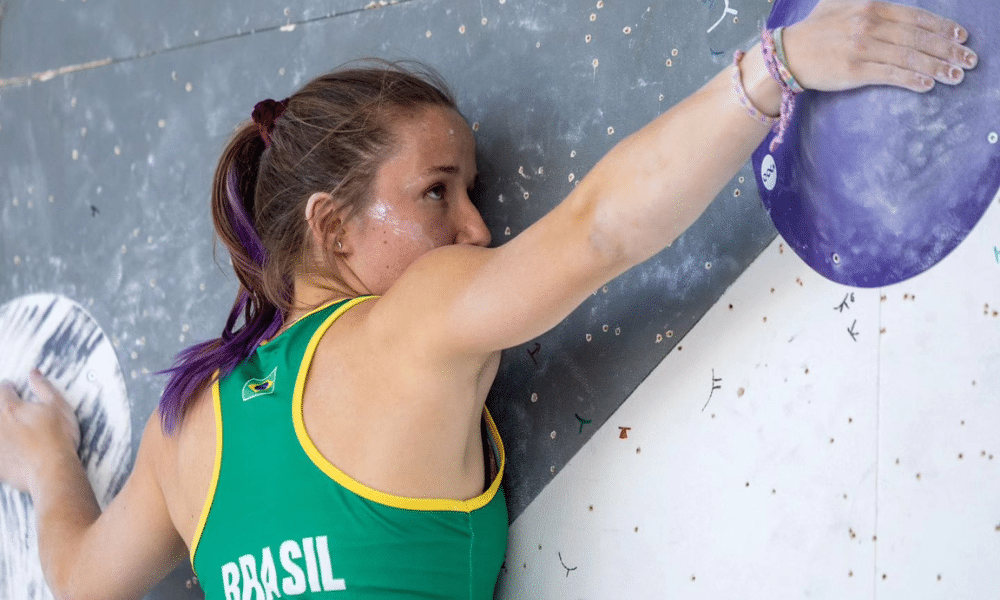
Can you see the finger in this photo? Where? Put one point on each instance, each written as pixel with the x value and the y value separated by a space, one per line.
pixel 43 388
pixel 10 400
pixel 916 61
pixel 8 392
pixel 875 73
pixel 919 41
pixel 923 19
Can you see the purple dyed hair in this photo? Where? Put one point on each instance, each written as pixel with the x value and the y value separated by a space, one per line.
pixel 333 136
pixel 198 364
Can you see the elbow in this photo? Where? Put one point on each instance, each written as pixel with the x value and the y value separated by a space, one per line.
pixel 616 239
pixel 68 593
pixel 63 586
pixel 608 242
pixel 628 217
pixel 60 588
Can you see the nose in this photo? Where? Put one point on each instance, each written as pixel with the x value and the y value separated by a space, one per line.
pixel 471 227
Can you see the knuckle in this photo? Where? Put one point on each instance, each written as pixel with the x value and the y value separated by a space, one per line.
pixel 854 69
pixel 860 44
pixel 8 409
pixel 862 26
pixel 923 19
pixel 893 74
pixel 869 8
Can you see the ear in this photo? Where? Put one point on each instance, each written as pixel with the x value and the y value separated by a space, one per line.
pixel 325 226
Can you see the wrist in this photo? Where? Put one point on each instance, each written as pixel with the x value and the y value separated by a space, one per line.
pixel 54 470
pixel 762 90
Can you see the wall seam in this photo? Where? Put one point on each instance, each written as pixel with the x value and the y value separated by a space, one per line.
pixel 878 444
pixel 43 76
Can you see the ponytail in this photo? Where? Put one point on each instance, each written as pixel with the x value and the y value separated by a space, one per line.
pixel 232 210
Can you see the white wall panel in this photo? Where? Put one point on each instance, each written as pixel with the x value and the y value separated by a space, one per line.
pixel 786 484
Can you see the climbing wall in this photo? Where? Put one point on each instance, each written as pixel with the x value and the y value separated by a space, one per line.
pixel 759 455
pixel 804 440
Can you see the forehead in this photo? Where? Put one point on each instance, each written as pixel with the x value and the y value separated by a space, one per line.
pixel 437 135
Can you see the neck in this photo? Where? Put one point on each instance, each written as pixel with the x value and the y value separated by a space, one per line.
pixel 311 293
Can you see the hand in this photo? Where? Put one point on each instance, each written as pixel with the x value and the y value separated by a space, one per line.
pixel 846 44
pixel 33 433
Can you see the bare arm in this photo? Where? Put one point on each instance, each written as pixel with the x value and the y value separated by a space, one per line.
pixel 654 184
pixel 85 554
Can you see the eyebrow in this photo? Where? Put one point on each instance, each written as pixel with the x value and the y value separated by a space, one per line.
pixel 448 170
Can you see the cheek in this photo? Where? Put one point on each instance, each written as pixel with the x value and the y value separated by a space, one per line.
pixel 388 228
pixel 439 233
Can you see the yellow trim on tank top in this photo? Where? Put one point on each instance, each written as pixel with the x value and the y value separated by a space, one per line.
pixel 360 489
pixel 217 403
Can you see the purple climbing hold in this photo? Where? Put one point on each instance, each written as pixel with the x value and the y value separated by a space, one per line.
pixel 874 186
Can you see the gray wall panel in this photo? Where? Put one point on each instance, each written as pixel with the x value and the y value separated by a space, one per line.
pixel 42 36
pixel 106 174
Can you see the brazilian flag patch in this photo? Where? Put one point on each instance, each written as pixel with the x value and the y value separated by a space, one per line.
pixel 260 387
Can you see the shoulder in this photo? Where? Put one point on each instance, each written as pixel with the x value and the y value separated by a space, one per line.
pixel 425 303
pixel 183 462
pixel 187 446
pixel 197 429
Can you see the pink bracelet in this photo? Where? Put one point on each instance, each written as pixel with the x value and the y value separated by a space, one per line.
pixel 741 93
pixel 787 92
pixel 786 73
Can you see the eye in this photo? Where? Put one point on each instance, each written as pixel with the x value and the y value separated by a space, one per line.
pixel 436 192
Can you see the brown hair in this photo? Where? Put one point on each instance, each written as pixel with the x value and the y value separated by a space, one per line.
pixel 332 137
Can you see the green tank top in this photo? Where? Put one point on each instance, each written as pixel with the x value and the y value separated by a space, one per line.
pixel 280 521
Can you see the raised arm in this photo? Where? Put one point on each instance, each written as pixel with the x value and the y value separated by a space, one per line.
pixel 654 184
pixel 85 554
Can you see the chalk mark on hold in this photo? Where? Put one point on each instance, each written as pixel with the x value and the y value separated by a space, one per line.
pixel 568 569
pixel 727 11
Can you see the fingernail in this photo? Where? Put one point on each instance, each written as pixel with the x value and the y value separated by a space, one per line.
pixel 971 59
pixel 960 34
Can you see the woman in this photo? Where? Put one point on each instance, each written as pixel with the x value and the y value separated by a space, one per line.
pixel 345 451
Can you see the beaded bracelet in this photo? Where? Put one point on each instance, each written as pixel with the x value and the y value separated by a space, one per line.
pixel 787 93
pixel 786 73
pixel 741 93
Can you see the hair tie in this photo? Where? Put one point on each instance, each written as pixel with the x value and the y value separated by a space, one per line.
pixel 265 113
